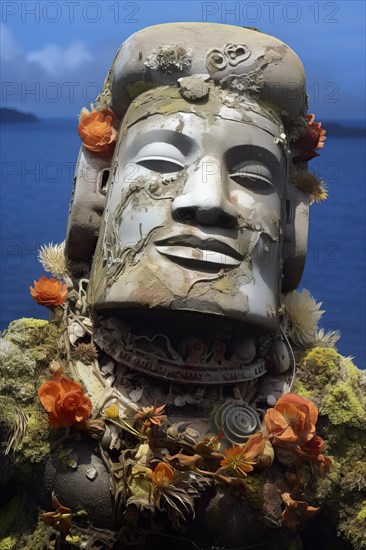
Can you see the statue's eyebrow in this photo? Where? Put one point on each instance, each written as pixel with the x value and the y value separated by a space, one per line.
pixel 161 135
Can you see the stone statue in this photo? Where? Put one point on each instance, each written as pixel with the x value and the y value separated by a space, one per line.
pixel 186 238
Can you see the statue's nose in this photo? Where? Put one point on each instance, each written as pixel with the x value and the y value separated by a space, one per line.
pixel 204 198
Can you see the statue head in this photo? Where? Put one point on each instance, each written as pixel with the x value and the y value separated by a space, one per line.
pixel 197 209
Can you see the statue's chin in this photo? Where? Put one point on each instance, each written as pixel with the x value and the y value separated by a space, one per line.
pixel 244 293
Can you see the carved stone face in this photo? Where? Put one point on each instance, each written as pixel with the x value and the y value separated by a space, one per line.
pixel 193 219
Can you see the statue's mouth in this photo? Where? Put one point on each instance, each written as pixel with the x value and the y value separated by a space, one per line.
pixel 193 248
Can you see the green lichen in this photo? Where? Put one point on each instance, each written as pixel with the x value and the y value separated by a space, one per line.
pixel 35 445
pixel 41 538
pixel 353 524
pixel 16 518
pixel 334 382
pixel 8 544
pixel 343 406
pixel 319 368
pixel 25 352
pixel 17 372
pixel 336 386
pixel 26 332
pixel 300 388
pixel 254 484
pixel 136 88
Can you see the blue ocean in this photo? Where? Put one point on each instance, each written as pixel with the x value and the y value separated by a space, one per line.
pixel 37 164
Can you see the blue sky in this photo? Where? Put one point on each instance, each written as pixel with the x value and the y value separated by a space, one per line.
pixel 55 54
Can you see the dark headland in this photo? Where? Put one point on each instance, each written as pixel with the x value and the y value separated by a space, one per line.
pixel 13 115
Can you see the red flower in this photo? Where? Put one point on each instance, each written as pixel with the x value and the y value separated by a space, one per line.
pixel 312 140
pixel 311 451
pixel 65 402
pixel 48 292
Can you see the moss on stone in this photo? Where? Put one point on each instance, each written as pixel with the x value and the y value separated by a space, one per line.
pixel 318 368
pixel 335 385
pixel 35 445
pixel 16 518
pixel 9 514
pixel 343 406
pixel 254 484
pixel 352 524
pixel 26 349
pixel 25 332
pixel 41 538
pixel 300 388
pixel 134 89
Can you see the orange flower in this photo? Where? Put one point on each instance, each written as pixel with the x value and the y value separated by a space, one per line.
pixel 60 519
pixel 151 415
pixel 296 512
pixel 96 130
pixel 258 448
pixel 49 292
pixel 238 459
pixel 292 420
pixel 162 475
pixel 65 402
pixel 312 140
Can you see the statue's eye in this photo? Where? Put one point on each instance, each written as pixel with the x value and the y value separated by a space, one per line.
pixel 160 164
pixel 254 178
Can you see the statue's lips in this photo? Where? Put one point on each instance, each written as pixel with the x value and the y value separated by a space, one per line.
pixel 190 247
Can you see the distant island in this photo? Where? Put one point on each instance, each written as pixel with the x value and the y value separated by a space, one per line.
pixel 344 129
pixel 13 115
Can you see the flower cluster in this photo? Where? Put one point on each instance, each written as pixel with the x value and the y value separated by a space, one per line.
pixel 291 427
pixel 64 401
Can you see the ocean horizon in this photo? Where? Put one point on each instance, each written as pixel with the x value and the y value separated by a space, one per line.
pixel 38 162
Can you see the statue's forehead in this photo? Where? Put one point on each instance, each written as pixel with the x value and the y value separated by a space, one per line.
pixel 217 106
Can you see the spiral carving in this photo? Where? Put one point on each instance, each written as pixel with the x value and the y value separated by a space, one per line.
pixel 237 421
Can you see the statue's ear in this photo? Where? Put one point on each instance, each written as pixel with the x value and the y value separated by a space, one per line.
pixel 87 204
pixel 295 237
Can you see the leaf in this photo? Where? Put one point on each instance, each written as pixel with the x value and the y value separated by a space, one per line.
pixel 185 462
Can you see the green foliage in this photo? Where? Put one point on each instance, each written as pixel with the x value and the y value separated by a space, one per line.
pixel 335 384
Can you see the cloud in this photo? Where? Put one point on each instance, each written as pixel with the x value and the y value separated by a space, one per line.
pixel 9 49
pixel 56 60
